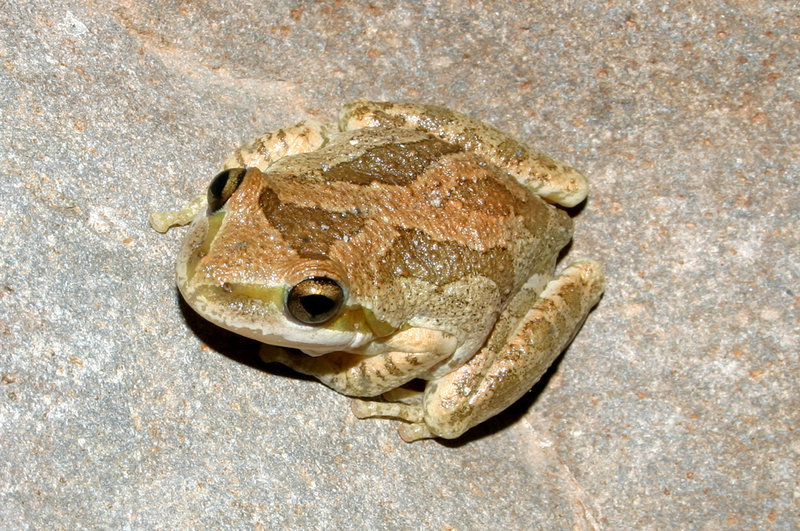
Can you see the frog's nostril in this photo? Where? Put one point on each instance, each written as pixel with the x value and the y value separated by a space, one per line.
pixel 315 300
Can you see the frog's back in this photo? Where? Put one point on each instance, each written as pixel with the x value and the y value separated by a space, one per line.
pixel 436 211
pixel 401 207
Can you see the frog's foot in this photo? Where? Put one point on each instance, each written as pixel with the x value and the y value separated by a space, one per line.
pixel 413 428
pixel 401 404
pixel 163 221
pixel 552 180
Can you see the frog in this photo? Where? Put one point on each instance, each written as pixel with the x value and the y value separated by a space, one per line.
pixel 403 255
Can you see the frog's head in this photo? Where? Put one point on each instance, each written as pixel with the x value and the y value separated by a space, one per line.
pixel 258 267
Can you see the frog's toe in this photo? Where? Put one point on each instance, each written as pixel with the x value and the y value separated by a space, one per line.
pixel 415 432
pixel 413 427
pixel 364 409
pixel 273 354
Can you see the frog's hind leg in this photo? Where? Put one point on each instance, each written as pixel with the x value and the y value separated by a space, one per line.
pixel 554 181
pixel 509 365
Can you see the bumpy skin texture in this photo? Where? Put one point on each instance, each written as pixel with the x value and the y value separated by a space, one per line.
pixel 435 232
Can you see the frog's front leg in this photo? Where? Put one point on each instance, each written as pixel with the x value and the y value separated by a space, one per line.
pixel 370 375
pixel 552 180
pixel 260 152
pixel 509 365
pixel 163 221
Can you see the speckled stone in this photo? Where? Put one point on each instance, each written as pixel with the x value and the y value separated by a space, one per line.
pixel 675 407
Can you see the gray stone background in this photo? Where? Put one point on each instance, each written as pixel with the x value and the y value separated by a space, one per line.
pixel 676 406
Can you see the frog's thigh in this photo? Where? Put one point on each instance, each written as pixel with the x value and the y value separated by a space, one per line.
pixel 267 148
pixel 355 375
pixel 495 378
pixel 547 177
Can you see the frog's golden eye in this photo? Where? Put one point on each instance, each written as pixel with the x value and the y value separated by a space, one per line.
pixel 222 187
pixel 315 300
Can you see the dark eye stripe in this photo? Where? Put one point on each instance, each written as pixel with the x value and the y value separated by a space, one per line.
pixel 223 186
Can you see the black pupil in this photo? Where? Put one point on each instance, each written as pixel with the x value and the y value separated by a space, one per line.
pixel 315 300
pixel 317 304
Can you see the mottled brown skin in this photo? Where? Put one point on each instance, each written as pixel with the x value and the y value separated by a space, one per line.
pixel 435 228
pixel 547 177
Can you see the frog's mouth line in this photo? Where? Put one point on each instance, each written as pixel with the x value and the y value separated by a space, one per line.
pixel 259 312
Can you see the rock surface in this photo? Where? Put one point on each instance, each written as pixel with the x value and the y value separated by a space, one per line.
pixel 675 407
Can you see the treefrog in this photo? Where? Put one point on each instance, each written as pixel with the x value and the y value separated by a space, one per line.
pixel 403 255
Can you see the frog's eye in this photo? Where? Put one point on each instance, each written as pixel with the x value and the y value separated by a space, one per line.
pixel 222 187
pixel 315 300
